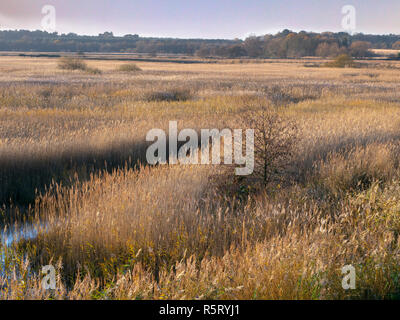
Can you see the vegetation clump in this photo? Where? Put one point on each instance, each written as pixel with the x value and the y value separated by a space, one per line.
pixel 342 61
pixel 72 64
pixel 131 67
pixel 169 95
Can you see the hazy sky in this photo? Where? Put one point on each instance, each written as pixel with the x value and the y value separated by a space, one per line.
pixel 200 18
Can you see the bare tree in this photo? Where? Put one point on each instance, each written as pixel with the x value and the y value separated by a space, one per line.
pixel 274 140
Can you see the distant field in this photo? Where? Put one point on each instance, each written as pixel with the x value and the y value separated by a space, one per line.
pixel 73 169
pixel 385 52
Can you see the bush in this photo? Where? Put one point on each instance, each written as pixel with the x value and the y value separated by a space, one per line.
pixel 171 95
pixel 72 64
pixel 76 64
pixel 342 61
pixel 131 67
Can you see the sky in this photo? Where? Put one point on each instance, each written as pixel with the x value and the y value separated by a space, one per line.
pixel 222 19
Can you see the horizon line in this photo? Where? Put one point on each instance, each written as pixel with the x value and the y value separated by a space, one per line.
pixel 198 38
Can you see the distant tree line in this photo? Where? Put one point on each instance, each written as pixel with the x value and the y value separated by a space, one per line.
pixel 285 44
pixel 39 41
pixel 289 44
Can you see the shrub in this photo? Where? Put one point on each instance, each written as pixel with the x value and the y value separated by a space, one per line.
pixel 72 64
pixel 76 64
pixel 131 67
pixel 342 61
pixel 170 95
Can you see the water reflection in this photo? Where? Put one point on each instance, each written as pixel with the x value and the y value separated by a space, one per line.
pixel 15 233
